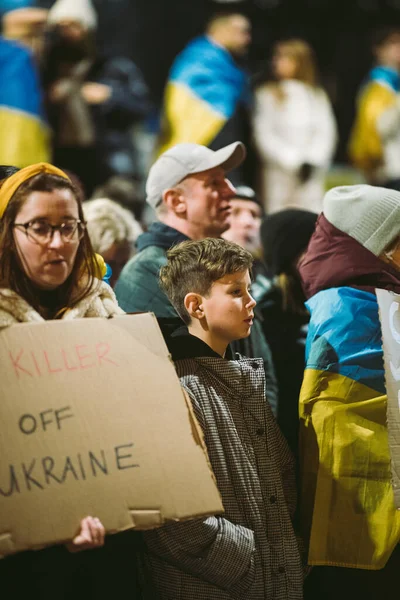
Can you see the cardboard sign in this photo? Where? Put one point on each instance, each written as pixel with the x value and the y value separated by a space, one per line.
pixel 389 313
pixel 93 421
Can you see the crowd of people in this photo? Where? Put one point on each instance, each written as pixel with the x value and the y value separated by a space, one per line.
pixel 67 101
pixel 265 296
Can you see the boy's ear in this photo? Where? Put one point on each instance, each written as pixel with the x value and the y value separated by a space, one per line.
pixel 193 305
pixel 175 201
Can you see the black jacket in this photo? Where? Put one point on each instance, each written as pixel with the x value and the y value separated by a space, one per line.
pixel 114 571
pixel 286 334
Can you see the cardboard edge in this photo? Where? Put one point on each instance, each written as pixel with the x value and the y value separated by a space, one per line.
pixel 145 519
pixel 142 519
pixel 118 320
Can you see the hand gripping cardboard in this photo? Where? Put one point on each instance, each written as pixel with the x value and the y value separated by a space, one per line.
pixel 93 421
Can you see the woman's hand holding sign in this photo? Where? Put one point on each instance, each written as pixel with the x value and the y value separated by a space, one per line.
pixel 91 535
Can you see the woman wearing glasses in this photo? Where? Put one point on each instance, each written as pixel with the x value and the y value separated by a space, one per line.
pixel 48 270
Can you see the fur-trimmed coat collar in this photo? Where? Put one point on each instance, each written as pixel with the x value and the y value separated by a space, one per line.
pixel 100 302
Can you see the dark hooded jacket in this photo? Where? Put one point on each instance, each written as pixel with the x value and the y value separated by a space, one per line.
pixel 137 289
pixel 335 259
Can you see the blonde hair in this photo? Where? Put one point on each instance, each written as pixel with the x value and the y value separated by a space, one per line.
pixel 306 67
pixel 108 223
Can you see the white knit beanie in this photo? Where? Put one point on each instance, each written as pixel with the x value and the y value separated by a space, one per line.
pixel 370 215
pixel 75 10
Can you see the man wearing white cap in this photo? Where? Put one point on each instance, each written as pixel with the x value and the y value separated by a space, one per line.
pixel 188 189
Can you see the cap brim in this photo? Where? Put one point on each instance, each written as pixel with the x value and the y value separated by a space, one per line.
pixel 228 158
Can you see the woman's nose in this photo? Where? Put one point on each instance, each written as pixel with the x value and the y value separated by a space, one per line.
pixel 56 241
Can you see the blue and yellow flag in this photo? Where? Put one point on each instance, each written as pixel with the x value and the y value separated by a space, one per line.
pixel 204 89
pixel 378 94
pixel 347 500
pixel 24 134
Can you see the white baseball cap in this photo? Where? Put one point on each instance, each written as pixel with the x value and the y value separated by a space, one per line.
pixel 186 159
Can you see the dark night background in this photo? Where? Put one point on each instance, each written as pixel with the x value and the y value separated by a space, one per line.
pixel 152 32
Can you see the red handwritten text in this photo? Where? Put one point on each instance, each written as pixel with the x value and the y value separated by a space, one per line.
pixel 76 358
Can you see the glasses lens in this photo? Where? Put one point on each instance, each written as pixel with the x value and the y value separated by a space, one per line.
pixel 69 231
pixel 39 232
pixel 80 228
pixel 42 232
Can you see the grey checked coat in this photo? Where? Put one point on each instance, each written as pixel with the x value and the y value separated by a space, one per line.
pixel 250 552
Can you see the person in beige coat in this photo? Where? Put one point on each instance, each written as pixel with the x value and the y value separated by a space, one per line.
pixel 294 130
pixel 48 270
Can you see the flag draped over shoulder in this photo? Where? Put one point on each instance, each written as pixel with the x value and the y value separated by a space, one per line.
pixel 204 89
pixel 24 134
pixel 378 93
pixel 347 497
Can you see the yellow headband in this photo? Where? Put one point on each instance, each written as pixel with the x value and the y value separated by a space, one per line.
pixel 12 183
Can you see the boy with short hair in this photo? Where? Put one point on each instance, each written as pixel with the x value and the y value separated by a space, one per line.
pixel 251 551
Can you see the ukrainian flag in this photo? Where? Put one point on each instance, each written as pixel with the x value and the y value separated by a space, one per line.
pixel 347 501
pixel 24 135
pixel 204 89
pixel 377 95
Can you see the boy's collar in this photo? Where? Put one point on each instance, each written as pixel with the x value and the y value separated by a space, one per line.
pixel 183 344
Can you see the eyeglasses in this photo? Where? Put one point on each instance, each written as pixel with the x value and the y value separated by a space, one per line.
pixel 41 232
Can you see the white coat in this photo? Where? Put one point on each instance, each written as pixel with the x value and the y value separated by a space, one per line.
pixel 298 128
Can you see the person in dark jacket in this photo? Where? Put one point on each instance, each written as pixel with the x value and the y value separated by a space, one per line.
pixel 285 236
pixel 245 221
pixel 251 551
pixel 188 189
pixel 92 100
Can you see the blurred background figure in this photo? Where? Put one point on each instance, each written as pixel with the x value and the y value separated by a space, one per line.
pixel 375 140
pixel 207 94
pixel 245 221
pixel 25 136
pixel 113 232
pixel 125 191
pixel 7 5
pixel 26 25
pixel 280 302
pixel 294 129
pixel 92 100
pixel 69 58
pixel 7 171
